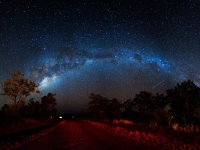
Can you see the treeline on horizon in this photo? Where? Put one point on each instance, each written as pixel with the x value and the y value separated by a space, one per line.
pixel 180 105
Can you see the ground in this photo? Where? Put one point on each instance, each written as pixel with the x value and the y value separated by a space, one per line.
pixel 90 135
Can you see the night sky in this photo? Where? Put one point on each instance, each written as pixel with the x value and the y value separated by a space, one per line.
pixel 114 48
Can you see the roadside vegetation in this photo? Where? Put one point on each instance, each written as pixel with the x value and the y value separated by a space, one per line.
pixel 177 111
pixel 19 113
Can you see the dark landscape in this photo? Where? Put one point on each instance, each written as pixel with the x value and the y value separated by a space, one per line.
pixel 94 74
pixel 85 134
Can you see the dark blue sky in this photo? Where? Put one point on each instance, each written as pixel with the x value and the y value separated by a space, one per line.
pixel 115 48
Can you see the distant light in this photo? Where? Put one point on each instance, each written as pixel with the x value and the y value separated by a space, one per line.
pixel 72 117
pixel 60 117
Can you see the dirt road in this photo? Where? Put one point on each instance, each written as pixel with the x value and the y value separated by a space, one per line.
pixel 83 135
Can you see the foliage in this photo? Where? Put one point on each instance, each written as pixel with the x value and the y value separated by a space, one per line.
pixel 115 107
pixel 160 101
pixel 180 105
pixel 161 117
pixel 9 114
pixel 34 108
pixel 184 102
pixel 48 102
pixel 144 101
pixel 130 109
pixel 98 105
pixel 145 104
pixel 17 88
pixel 129 105
pixel 101 107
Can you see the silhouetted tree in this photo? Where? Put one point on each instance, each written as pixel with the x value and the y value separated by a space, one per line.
pixel 34 108
pixel 98 105
pixel 4 115
pixel 184 101
pixel 160 101
pixel 145 104
pixel 161 116
pixel 93 104
pixel 115 108
pixel 48 102
pixel 4 111
pixel 4 108
pixel 129 108
pixel 17 88
pixel 144 101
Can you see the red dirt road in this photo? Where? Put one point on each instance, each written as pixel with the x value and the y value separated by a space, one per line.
pixel 83 135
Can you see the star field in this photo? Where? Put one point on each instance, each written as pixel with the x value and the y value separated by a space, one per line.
pixel 115 48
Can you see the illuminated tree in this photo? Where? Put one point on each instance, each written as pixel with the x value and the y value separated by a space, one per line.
pixel 17 88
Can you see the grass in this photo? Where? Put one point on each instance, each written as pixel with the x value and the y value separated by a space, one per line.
pixel 175 127
pixel 188 134
pixel 122 121
pixel 186 129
